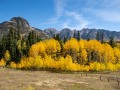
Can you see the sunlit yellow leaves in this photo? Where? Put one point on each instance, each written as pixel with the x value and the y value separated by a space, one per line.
pixel 13 65
pixel 71 46
pixel 83 56
pixel 52 46
pixel 37 49
pixel 117 55
pixel 7 55
pixel 2 62
pixel 108 53
pixel 75 56
pixel 83 44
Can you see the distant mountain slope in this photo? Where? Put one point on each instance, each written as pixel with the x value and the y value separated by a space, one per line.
pixel 20 24
pixel 51 31
pixel 85 33
pixel 24 28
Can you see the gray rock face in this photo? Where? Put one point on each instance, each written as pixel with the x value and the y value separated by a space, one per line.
pixel 20 24
pixel 66 32
pixel 86 33
pixel 51 31
pixel 91 34
pixel 24 28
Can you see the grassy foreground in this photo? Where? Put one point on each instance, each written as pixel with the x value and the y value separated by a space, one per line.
pixel 12 79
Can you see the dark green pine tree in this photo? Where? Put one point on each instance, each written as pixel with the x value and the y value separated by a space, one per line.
pixel 88 39
pixel 78 36
pixel 70 38
pixel 38 38
pixel 112 42
pixel 65 39
pixel 59 40
pixel 18 32
pixel 27 48
pixel 102 37
pixel 11 44
pixel 32 39
pixel 58 37
pixel 33 33
pixel 98 36
pixel 2 46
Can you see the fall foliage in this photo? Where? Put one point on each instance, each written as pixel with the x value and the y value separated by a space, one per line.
pixel 77 56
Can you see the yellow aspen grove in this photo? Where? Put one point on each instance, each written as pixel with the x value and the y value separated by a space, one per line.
pixel 77 56
pixel 52 46
pixel 7 56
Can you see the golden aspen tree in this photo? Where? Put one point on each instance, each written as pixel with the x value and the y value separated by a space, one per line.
pixel 34 50
pixel 37 49
pixel 7 56
pixel 83 56
pixel 81 44
pixel 71 48
pixel 117 55
pixel 2 62
pixel 52 46
pixel 13 65
pixel 108 53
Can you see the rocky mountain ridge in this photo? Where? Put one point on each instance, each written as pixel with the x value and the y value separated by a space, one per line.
pixel 24 28
pixel 87 33
pixel 20 24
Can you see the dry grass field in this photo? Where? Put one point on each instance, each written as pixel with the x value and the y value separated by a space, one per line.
pixel 11 79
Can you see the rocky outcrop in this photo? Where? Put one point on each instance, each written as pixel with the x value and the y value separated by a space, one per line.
pixel 51 31
pixel 20 24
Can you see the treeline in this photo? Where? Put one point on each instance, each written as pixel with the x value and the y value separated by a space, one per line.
pixel 17 45
pixel 74 54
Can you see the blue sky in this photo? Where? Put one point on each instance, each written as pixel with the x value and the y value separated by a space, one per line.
pixel 59 14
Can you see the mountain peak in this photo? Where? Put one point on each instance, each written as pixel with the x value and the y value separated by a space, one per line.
pixel 51 31
pixel 21 24
pixel 20 21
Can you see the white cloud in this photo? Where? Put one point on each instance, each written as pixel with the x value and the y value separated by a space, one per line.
pixel 59 7
pixel 95 11
pixel 65 18
pixel 59 10
pixel 106 10
pixel 76 21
